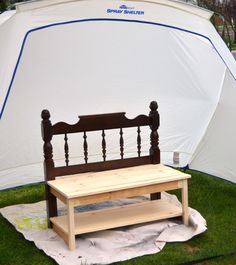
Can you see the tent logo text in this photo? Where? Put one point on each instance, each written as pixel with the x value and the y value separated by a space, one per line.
pixel 126 10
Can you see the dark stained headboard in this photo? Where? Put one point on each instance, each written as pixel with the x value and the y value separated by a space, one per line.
pixel 100 122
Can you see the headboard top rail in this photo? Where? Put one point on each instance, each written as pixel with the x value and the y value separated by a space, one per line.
pixel 100 122
pixel 91 116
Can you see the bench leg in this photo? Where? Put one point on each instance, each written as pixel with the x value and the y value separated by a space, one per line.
pixel 71 225
pixel 185 215
pixel 155 196
pixel 51 205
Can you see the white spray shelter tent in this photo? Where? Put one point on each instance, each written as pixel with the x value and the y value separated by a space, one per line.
pixel 96 56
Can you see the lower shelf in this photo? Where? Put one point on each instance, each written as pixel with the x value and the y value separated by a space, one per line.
pixel 119 216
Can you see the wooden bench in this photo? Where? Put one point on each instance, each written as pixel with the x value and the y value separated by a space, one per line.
pixel 109 180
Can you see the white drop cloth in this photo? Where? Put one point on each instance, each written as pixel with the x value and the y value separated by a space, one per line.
pixel 106 246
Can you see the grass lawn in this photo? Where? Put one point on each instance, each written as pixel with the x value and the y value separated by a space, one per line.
pixel 215 199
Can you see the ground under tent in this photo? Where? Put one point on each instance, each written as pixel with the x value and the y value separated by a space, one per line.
pixel 89 57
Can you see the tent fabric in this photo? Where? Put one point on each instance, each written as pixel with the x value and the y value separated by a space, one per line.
pixel 6 15
pixel 86 57
pixel 212 151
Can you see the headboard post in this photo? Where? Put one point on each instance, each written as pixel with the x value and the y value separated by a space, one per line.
pixel 46 129
pixel 154 137
pixel 154 141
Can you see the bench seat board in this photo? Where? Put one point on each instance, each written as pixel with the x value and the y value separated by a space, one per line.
pixel 118 216
pixel 87 184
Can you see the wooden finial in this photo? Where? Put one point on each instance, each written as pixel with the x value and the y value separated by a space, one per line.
pixel 153 106
pixel 154 137
pixel 45 114
pixel 46 127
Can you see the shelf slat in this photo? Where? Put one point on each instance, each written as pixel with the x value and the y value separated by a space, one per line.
pixel 119 216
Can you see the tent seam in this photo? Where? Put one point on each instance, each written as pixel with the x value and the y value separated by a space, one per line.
pixel 210 120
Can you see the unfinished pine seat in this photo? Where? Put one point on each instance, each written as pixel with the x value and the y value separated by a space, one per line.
pixel 109 180
pixel 116 184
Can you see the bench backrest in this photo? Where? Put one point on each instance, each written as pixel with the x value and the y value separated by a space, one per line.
pixel 100 122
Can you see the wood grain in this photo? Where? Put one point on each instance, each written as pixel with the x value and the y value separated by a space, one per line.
pixel 113 180
pixel 119 216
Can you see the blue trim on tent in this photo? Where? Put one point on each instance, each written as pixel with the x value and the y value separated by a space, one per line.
pixel 100 19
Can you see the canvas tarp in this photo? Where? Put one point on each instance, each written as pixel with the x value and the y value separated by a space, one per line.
pixel 102 247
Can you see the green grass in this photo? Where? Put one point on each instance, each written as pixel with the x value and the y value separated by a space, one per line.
pixel 214 198
pixel 233 48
